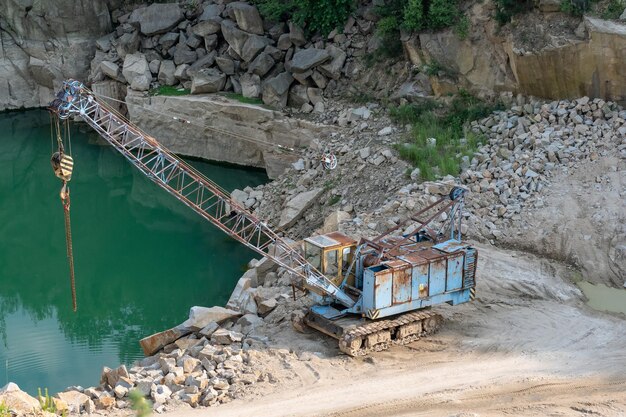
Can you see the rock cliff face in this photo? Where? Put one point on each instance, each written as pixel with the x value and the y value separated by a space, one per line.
pixel 593 67
pixel 44 42
pixel 549 55
pixel 219 129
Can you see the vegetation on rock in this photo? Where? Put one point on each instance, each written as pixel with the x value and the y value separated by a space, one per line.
pixel 139 403
pixel 246 100
pixel 314 15
pixel 414 16
pixel 506 9
pixel 5 411
pixel 438 139
pixel 166 90
pixel 46 402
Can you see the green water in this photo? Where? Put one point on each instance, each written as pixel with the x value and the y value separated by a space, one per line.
pixel 604 298
pixel 142 258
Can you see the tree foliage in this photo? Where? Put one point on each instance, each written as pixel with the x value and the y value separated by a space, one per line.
pixel 505 9
pixel 316 16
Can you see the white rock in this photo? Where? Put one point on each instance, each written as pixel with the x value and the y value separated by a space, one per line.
pixel 199 317
pixel 385 131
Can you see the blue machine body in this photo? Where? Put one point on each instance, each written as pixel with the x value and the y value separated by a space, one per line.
pixel 439 274
pixel 419 276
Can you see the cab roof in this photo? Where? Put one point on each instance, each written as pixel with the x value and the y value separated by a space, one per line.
pixel 330 240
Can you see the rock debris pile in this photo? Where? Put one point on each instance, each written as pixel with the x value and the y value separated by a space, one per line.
pixel 211 358
pixel 524 148
pixel 529 144
pixel 226 46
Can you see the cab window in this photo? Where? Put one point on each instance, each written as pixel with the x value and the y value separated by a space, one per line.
pixel 346 259
pixel 332 263
pixel 313 255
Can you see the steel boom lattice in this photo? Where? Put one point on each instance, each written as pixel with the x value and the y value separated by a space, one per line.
pixel 188 185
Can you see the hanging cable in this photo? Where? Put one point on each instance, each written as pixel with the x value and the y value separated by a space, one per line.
pixel 63 165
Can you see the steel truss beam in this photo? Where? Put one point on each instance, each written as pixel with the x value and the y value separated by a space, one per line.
pixel 189 186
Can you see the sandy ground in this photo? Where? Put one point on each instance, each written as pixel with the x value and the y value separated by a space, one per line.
pixel 583 221
pixel 528 346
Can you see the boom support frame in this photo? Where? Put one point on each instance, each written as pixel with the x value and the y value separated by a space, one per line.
pixel 188 185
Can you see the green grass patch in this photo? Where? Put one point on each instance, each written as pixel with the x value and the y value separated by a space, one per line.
pixel 334 200
pixel 5 411
pixel 411 113
pixel 446 124
pixel 242 99
pixel 168 90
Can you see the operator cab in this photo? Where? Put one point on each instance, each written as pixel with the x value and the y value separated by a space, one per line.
pixel 332 255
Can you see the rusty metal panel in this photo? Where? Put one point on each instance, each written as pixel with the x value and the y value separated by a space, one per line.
pixel 419 281
pixel 402 284
pixel 383 288
pixel 432 254
pixel 342 239
pixel 369 281
pixel 437 277
pixel 455 272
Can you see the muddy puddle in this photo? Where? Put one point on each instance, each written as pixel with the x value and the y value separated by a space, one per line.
pixel 604 298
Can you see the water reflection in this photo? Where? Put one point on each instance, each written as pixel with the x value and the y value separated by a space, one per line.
pixel 141 257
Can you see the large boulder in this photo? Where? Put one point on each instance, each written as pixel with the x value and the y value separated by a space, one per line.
pixel 414 90
pixel 305 59
pixel 250 85
pixel 168 40
pixel 207 27
pixel 296 207
pixel 128 43
pixel 298 96
pixel 242 285
pixel 137 72
pixel 332 221
pixel 206 61
pixel 247 17
pixel 296 34
pixel 244 44
pixel 235 37
pixel 275 90
pixel 200 317
pixel 17 400
pixel 166 73
pixel 225 337
pixel 110 69
pixel 261 64
pixel 253 46
pixel 153 343
pixel 211 11
pixel 184 55
pixel 207 80
pixel 225 64
pixel 333 68
pixel 157 18
pixel 76 401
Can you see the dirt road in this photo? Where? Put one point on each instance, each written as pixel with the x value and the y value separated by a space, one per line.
pixel 528 346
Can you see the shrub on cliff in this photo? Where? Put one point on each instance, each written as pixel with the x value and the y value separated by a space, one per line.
pixel 314 15
pixel 416 15
pixel 505 9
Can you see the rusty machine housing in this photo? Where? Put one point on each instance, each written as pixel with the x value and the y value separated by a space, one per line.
pixel 392 276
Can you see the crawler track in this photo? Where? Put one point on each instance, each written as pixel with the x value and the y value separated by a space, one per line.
pixel 380 335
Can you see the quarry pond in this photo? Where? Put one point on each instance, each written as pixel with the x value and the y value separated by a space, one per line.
pixel 142 258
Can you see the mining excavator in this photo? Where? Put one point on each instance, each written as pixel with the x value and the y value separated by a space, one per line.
pixel 370 294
